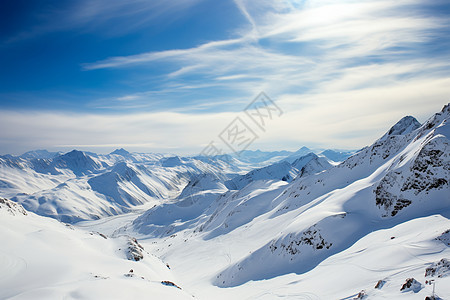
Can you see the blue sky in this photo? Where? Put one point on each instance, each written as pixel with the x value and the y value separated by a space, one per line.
pixel 168 76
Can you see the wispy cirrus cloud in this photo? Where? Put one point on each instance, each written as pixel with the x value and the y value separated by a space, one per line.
pixel 182 55
pixel 289 45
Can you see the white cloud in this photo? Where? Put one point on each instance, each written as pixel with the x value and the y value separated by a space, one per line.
pixel 157 132
pixel 128 97
pixel 349 119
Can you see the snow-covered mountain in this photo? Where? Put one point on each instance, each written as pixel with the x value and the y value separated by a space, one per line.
pixel 80 186
pixel 277 171
pixel 121 152
pixel 259 159
pixel 297 154
pixel 283 170
pixel 78 162
pixel 42 154
pixel 397 183
pixel 262 157
pixel 336 155
pixel 402 176
pixel 295 225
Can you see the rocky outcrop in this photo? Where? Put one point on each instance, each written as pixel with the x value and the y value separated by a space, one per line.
pixel 445 237
pixel 310 237
pixel 390 202
pixel 135 251
pixel 380 284
pixel 11 207
pixel 438 269
pixel 411 285
pixel 169 283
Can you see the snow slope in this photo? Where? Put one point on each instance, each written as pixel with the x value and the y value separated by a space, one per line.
pixel 41 258
pixel 169 218
pixel 390 254
pixel 270 230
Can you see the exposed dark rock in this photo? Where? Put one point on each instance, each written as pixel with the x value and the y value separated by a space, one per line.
pixel 399 205
pixel 439 269
pixel 380 284
pixel 445 237
pixel 169 283
pixel 411 285
pixel 361 295
pixel 98 233
pixel 310 237
pixel 390 202
pixel 134 250
pixel 11 207
pixel 429 170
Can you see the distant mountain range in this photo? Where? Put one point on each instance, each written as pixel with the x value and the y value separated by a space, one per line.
pixel 81 185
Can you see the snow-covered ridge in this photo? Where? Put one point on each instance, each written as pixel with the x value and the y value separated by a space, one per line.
pixel 41 258
pixel 403 175
pixel 405 126
pixel 283 170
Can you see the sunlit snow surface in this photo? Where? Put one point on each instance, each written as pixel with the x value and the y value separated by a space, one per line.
pixel 379 218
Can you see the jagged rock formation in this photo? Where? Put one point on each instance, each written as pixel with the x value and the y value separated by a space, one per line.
pixel 438 269
pixel 411 285
pixel 293 244
pixel 11 207
pixel 445 237
pixel 134 250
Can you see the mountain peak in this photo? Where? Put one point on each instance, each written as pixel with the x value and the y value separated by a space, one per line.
pixel 74 153
pixel 39 154
pixel 303 149
pixel 337 155
pixel 446 108
pixel 172 161
pixel 120 151
pixel 406 125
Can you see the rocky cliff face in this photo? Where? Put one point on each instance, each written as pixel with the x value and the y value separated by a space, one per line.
pixel 419 172
pixel 11 207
